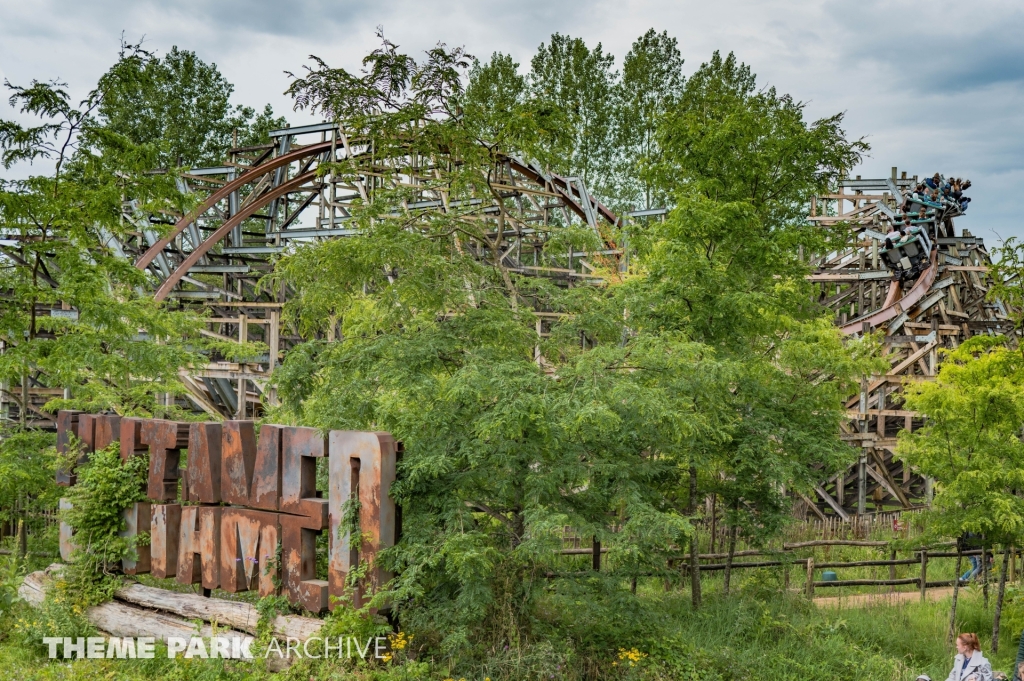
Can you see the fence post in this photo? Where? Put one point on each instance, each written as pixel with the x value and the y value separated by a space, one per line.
pixel 596 562
pixel 892 571
pixel 22 539
pixel 924 573
pixel 810 579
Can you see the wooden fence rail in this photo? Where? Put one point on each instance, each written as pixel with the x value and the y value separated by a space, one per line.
pixel 921 556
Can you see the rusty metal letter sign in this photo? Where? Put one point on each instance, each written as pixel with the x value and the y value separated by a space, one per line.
pixel 243 513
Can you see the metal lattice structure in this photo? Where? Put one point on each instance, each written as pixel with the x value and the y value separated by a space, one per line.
pixel 940 308
pixel 270 198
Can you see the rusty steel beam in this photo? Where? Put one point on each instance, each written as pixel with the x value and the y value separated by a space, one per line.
pixel 265 492
pixel 165 531
pixel 224 192
pixel 300 448
pixel 238 459
pixel 200 535
pixel 131 438
pixel 363 466
pixel 138 519
pixel 204 466
pixel 166 439
pixel 248 548
pixel 67 428
pixel 298 549
pixel 108 430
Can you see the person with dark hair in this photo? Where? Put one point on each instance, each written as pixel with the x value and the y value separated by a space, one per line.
pixel 963 203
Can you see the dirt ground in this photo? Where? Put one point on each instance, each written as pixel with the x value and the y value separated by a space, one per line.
pixel 861 600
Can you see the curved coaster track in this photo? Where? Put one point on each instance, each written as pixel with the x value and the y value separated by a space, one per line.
pixel 930 298
pixel 925 291
pixel 267 199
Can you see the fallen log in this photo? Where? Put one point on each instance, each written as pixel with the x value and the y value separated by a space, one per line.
pixel 174 612
pixel 236 614
pixel 120 619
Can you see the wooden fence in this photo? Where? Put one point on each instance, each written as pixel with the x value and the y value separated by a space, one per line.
pixel 920 556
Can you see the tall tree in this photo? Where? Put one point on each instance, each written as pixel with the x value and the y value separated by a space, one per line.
pixel 178 103
pixel 724 270
pixel 508 435
pixel 741 165
pixel 652 82
pixel 501 110
pixel 113 348
pixel 598 423
pixel 579 82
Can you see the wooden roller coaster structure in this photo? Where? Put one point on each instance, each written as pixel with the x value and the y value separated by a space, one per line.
pixel 945 305
pixel 266 200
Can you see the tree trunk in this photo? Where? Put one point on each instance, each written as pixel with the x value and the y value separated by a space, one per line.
pixel 714 521
pixel 999 599
pixel 728 559
pixel 956 593
pixel 694 559
pixel 984 574
pixel 23 416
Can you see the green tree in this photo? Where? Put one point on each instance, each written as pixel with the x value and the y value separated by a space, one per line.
pixel 602 423
pixel 579 83
pixel 971 444
pixel 121 351
pixel 724 270
pixel 178 103
pixel 1007 284
pixel 508 436
pixel 500 107
pixel 652 82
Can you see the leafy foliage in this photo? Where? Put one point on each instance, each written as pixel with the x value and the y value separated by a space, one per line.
pixel 180 105
pixel 652 83
pixel 106 487
pixel 970 443
pixel 708 354
pixel 579 82
pixel 27 469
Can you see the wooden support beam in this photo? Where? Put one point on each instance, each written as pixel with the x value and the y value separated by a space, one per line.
pixel 832 502
pixel 881 475
pixel 811 505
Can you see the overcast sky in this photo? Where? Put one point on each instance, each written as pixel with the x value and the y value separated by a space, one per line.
pixel 932 87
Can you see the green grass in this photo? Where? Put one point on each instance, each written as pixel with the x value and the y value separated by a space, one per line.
pixel 761 632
